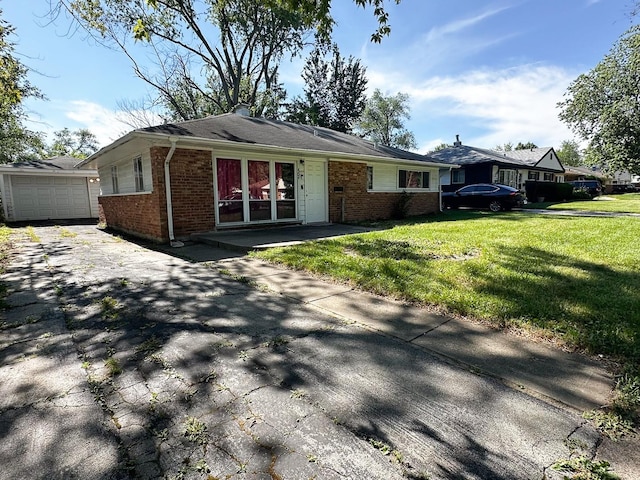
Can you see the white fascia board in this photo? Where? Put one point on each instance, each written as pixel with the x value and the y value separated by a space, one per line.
pixel 48 172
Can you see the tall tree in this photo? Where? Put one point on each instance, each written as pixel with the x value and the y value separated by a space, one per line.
pixel 383 120
pixel 78 143
pixel 16 141
pixel 603 106
pixel 569 153
pixel 210 55
pixel 334 93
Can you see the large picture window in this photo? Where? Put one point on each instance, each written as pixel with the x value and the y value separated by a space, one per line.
pixel 230 207
pixel 413 179
pixel 268 193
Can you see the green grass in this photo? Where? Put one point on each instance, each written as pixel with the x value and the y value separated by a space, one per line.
pixel 625 203
pixel 567 277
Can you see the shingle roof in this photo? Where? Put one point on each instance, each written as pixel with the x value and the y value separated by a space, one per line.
pixel 261 131
pixel 465 155
pixel 529 156
pixel 55 163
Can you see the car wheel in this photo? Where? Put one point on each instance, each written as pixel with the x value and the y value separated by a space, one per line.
pixel 495 206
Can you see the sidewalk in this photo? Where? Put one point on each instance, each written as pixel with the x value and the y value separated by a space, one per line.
pixel 570 379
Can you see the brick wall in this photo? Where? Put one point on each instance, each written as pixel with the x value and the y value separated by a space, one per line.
pixel 192 191
pixel 358 204
pixel 145 215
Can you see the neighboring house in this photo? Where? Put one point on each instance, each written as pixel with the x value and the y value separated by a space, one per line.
pixel 609 181
pixel 51 189
pixel 514 168
pixel 232 170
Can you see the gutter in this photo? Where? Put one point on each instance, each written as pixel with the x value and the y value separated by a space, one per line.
pixel 167 183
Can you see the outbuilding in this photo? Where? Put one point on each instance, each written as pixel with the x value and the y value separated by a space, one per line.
pixel 52 189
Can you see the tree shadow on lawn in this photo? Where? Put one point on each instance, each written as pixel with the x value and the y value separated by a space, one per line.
pixel 590 304
pixel 196 374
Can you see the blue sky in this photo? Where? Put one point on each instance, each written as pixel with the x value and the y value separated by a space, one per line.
pixel 490 71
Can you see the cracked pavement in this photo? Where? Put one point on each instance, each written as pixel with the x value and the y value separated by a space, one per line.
pixel 118 362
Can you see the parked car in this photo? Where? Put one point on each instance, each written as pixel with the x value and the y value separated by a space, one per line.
pixel 484 195
pixel 592 187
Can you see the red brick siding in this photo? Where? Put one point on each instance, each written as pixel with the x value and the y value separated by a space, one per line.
pixel 359 204
pixel 191 193
pixel 134 214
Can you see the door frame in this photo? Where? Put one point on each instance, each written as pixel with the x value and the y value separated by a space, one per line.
pixel 325 191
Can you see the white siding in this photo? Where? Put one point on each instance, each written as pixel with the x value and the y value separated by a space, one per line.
pixel 385 177
pixel 550 160
pixel 126 177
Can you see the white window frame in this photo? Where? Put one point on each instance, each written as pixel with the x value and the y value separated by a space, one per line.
pixel 138 174
pixel 457 172
pixel 114 180
pixel 422 184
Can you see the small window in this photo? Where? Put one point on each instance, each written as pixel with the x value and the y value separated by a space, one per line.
pixel 457 176
pixel 114 179
pixel 369 178
pixel 138 175
pixel 532 175
pixel 548 177
pixel 411 179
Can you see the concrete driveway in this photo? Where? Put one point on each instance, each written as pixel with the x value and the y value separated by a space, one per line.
pixel 118 361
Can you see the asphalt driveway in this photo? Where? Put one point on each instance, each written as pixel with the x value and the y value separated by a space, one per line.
pixel 130 363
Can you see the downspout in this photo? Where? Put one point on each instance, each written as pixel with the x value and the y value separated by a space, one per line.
pixel 167 183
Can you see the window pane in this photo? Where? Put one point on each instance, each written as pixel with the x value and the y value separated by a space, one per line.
pixel 369 178
pixel 259 191
pixel 259 210
pixel 229 190
pixel 410 179
pixel 259 187
pixel 286 194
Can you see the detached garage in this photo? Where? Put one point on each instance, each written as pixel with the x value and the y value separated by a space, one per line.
pixel 50 189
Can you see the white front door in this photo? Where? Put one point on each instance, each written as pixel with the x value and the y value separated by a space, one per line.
pixel 315 192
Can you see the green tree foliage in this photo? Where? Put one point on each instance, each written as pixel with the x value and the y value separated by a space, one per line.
pixel 383 121
pixel 525 146
pixel 317 14
pixel 209 55
pixel 569 153
pixel 442 146
pixel 16 141
pixel 507 147
pixel 603 106
pixel 334 93
pixel 79 143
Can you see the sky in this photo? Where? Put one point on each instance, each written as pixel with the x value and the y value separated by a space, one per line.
pixel 489 71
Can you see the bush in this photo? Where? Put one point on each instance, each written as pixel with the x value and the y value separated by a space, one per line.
pixel 581 194
pixel 551 191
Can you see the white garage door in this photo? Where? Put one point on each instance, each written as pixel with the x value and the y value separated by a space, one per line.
pixel 44 198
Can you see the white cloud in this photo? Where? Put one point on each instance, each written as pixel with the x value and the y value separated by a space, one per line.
pixel 516 104
pixel 101 121
pixel 106 124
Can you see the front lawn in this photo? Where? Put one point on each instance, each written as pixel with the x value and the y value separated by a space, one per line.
pixel 625 203
pixel 575 278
